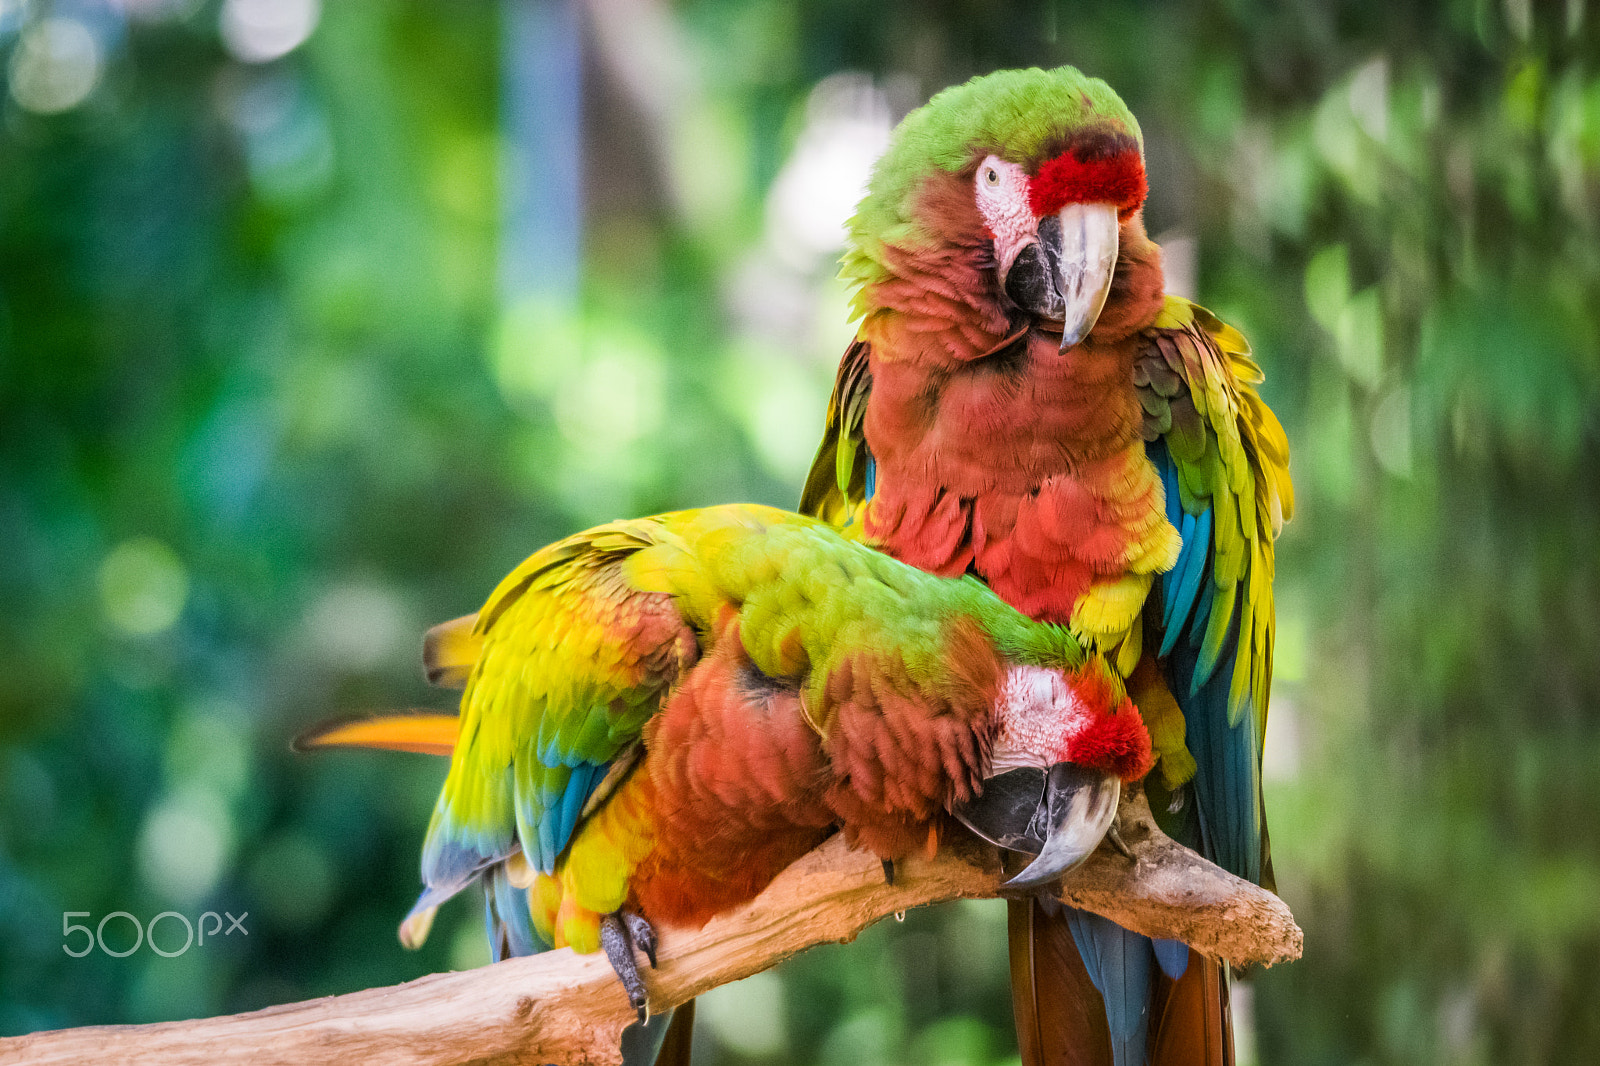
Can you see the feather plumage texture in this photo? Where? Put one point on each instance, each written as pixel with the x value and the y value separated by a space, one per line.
pixel 1130 487
pixel 1060 1018
pixel 666 712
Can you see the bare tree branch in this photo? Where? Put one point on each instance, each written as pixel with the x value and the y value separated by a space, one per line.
pixel 566 1008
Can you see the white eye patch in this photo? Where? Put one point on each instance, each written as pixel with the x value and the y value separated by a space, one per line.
pixel 1001 191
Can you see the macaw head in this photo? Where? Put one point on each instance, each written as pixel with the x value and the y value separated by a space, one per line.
pixel 1028 173
pixel 1062 744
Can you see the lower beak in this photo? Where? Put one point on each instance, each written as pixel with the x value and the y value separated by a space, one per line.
pixel 1087 260
pixel 1006 811
pixel 1063 274
pixel 1059 816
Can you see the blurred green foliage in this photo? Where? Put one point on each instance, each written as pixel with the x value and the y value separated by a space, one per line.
pixel 265 413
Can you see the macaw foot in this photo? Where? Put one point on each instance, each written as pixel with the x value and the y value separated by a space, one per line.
pixel 1114 835
pixel 621 933
pixel 888 870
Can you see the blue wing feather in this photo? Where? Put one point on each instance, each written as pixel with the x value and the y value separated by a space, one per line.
pixel 1173 955
pixel 1227 775
pixel 1181 586
pixel 1226 781
pixel 584 780
pixel 1187 576
pixel 1120 965
pixel 509 919
pixel 546 818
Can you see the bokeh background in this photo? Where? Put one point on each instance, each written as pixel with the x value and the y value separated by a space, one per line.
pixel 316 318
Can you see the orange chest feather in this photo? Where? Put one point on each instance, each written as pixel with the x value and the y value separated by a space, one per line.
pixel 1026 468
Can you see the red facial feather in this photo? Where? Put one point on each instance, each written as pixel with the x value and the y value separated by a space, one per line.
pixel 1066 179
pixel 1115 738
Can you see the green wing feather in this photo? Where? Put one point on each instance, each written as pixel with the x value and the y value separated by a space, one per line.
pixel 837 485
pixel 580 644
pixel 573 660
pixel 1197 385
pixel 1224 458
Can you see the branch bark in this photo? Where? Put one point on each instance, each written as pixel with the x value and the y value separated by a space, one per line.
pixel 566 1008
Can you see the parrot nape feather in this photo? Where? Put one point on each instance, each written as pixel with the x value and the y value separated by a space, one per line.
pixel 1024 403
pixel 664 713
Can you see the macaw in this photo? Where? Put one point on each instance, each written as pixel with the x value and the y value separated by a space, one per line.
pixel 1024 403
pixel 660 715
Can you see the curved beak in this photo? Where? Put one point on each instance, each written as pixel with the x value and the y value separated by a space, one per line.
pixel 1088 259
pixel 1059 816
pixel 1064 274
pixel 1004 814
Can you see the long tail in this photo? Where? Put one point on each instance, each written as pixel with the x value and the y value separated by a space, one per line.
pixel 1191 1024
pixel 450 650
pixel 1087 992
pixel 1060 1018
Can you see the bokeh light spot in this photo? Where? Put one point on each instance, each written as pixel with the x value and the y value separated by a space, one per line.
pixel 356 626
pixel 259 31
pixel 210 746
pixel 12 14
pixel 747 1016
pixel 55 66
pixel 185 844
pixel 143 587
pixel 847 128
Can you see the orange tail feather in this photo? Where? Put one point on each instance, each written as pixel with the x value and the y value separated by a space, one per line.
pixel 424 732
pixel 1191 1024
pixel 1061 1020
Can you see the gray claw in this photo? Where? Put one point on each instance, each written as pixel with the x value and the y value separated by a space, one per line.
pixel 643 936
pixel 1115 836
pixel 618 946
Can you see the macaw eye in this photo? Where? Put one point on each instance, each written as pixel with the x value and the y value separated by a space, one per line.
pixel 991 176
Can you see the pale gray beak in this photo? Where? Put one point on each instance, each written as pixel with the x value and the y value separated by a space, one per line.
pixel 1064 273
pixel 1088 259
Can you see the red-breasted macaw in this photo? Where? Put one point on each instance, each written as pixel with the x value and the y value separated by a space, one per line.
pixel 660 715
pixel 1023 402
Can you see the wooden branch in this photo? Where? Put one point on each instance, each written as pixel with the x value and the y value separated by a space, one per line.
pixel 566 1008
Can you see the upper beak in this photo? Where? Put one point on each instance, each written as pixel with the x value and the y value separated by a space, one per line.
pixel 1065 274
pixel 1060 816
pixel 1088 258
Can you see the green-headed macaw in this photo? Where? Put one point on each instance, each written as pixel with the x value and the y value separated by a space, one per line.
pixel 1023 402
pixel 660 715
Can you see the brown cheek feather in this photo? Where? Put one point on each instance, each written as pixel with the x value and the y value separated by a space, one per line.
pixel 902 752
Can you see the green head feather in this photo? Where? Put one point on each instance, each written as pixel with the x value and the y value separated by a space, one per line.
pixel 1015 114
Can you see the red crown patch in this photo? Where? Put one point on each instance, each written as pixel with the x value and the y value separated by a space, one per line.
pixel 1116 179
